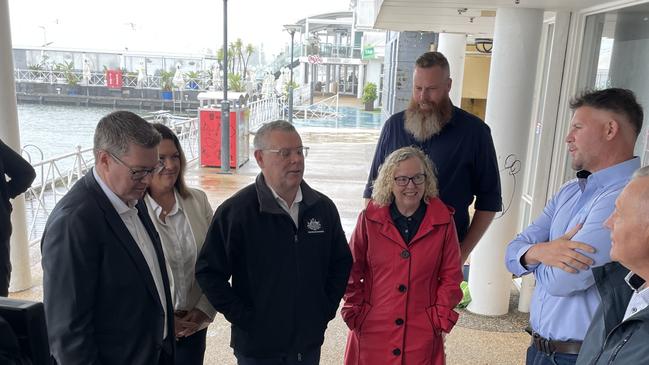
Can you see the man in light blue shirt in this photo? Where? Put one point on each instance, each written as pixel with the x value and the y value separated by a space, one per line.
pixel 562 245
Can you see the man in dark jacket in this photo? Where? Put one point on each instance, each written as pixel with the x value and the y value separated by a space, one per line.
pixel 21 174
pixel 620 328
pixel 282 244
pixel 105 283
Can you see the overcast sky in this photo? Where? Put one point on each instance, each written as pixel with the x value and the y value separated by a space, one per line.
pixel 179 26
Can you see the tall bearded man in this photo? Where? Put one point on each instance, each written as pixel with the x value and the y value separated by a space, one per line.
pixel 458 143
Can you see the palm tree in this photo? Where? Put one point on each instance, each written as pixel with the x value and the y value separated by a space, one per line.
pixel 250 49
pixel 238 50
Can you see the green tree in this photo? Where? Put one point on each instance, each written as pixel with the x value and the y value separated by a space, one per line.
pixel 250 49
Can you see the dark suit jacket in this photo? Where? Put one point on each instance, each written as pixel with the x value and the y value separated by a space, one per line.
pixel 21 175
pixel 101 303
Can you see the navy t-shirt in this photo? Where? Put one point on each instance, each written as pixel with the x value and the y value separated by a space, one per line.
pixel 464 158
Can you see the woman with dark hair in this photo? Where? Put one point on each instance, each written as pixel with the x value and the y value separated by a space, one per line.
pixel 405 279
pixel 181 216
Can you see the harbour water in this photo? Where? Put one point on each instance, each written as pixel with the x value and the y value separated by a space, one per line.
pixel 58 129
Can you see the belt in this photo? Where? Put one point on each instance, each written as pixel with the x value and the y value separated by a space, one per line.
pixel 549 347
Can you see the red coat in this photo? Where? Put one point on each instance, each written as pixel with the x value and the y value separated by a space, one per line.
pixel 401 297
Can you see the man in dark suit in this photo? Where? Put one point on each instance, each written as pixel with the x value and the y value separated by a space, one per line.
pixel 21 174
pixel 105 285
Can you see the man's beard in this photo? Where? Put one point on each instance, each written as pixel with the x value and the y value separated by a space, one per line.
pixel 423 124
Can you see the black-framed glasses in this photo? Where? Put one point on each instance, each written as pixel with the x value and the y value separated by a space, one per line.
pixel 405 180
pixel 286 152
pixel 139 174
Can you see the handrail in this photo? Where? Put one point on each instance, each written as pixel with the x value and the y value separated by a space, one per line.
pixel 99 79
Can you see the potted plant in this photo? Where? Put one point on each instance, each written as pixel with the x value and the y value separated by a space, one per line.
pixel 369 95
pixel 194 77
pixel 166 84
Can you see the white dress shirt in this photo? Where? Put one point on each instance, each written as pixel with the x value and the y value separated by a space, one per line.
pixel 179 248
pixel 128 213
pixel 294 209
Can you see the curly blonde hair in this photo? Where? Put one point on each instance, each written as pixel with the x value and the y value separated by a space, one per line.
pixel 382 187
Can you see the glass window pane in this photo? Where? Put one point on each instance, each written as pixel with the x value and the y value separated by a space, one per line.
pixel 614 54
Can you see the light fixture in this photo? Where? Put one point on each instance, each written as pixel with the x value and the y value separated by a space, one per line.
pixel 483 45
pixel 291 29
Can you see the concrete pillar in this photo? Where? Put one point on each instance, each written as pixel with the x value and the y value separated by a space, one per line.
pixel 9 132
pixel 361 80
pixel 453 46
pixel 509 106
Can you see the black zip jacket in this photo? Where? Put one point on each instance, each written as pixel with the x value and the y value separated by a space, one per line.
pixel 287 282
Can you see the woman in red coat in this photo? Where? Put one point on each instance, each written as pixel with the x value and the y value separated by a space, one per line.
pixel 405 280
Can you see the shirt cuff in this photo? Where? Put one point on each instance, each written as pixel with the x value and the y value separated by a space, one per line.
pixel 520 268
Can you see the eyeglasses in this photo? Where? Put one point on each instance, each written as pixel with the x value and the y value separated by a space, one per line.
pixel 141 173
pixel 405 180
pixel 286 152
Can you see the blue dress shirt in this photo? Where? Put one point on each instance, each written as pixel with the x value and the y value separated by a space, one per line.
pixel 563 303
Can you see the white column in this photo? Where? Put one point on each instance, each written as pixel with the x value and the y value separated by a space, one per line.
pixel 509 106
pixel 453 46
pixel 361 80
pixel 20 276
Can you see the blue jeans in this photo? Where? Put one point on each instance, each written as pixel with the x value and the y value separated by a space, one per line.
pixel 311 357
pixel 536 357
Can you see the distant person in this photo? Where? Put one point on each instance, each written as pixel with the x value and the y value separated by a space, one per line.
pixel 405 280
pixel 105 282
pixel 458 143
pixel 181 216
pixel 283 247
pixel 620 328
pixel 561 246
pixel 21 175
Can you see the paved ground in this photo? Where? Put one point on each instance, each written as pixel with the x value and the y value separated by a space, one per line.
pixel 337 165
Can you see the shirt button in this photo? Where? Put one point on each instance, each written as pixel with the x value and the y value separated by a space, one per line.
pixel 399 321
pixel 405 254
pixel 396 352
pixel 402 288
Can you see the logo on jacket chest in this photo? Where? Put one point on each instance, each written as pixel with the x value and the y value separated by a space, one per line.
pixel 314 226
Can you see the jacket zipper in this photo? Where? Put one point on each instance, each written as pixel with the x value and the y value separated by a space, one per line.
pixel 608 336
pixel 618 348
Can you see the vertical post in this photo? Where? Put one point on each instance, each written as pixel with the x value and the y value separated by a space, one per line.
pixel 453 46
pixel 79 164
pixel 225 106
pixel 290 84
pixel 517 35
pixel 21 278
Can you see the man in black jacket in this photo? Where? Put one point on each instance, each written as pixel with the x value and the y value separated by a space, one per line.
pixel 282 244
pixel 21 174
pixel 105 284
pixel 620 328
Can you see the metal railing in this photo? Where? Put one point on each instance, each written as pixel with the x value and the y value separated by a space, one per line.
pixel 55 176
pixel 325 109
pixel 266 110
pixel 53 77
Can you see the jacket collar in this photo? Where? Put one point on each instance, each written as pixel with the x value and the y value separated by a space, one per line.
pixel 268 204
pixel 437 213
pixel 615 294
